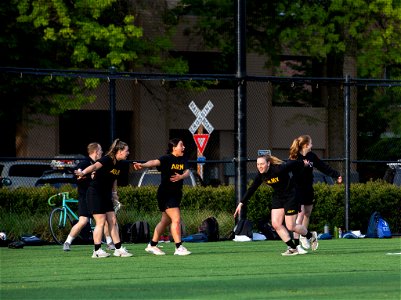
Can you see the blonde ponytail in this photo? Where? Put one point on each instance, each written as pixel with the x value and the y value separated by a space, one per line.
pixel 297 145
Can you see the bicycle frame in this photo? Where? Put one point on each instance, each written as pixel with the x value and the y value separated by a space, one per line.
pixel 64 206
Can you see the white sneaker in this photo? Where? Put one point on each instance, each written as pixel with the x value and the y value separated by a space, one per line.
pixel 154 250
pixel 122 252
pixel 100 254
pixel 301 250
pixel 111 246
pixel 181 251
pixel 314 242
pixel 290 252
pixel 66 246
pixel 304 242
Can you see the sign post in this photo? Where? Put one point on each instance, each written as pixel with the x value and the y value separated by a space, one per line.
pixel 196 129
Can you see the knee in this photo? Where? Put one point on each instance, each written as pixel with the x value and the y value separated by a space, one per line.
pixel 291 227
pixel 100 223
pixel 176 224
pixel 82 223
pixel 276 225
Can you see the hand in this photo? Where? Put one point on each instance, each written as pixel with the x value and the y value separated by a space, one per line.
pixel 238 210
pixel 175 177
pixel 79 173
pixel 137 166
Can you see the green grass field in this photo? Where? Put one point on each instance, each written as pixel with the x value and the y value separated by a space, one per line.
pixel 339 269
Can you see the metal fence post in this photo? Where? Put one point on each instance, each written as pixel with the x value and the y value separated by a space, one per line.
pixel 112 101
pixel 347 134
pixel 240 121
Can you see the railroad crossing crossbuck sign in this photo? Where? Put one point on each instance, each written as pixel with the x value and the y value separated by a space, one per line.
pixel 201 117
pixel 200 138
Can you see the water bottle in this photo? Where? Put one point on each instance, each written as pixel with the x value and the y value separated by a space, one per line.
pixel 340 233
pixel 326 229
pixel 335 232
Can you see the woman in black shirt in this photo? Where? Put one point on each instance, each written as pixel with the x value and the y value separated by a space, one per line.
pixel 173 168
pixel 301 149
pixel 275 173
pixel 102 191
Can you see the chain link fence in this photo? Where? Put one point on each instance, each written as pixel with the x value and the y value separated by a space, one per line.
pixel 148 110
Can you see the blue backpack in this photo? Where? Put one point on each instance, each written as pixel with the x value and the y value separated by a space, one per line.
pixel 378 227
pixel 383 229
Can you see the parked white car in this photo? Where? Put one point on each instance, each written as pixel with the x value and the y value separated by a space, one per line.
pixel 23 173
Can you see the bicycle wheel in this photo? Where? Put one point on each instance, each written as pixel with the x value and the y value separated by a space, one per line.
pixel 58 228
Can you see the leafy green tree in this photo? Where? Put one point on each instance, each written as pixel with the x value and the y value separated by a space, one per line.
pixel 81 34
pixel 359 38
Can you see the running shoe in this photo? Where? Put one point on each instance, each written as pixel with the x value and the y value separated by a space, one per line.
pixel 301 250
pixel 314 241
pixel 100 253
pixel 181 251
pixel 304 242
pixel 154 250
pixel 290 252
pixel 122 252
pixel 110 246
pixel 66 246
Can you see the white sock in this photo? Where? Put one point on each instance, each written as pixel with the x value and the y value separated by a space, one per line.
pixel 69 239
pixel 109 239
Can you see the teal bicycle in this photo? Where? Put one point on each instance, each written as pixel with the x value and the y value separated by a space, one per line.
pixel 63 218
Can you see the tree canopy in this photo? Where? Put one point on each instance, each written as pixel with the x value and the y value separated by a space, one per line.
pixel 82 34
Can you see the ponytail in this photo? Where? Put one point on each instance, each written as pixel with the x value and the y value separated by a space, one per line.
pixel 297 145
pixel 115 146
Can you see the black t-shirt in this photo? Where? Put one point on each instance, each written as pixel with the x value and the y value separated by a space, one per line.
pixel 169 165
pixel 84 182
pixel 105 176
pixel 304 178
pixel 277 176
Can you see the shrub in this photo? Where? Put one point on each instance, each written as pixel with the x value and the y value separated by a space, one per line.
pixel 25 210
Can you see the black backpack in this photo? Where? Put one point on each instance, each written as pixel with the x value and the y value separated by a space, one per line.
pixel 86 234
pixel 210 227
pixel 138 232
pixel 267 230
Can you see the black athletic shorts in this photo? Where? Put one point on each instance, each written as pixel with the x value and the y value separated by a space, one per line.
pixel 305 196
pixel 83 207
pixel 99 202
pixel 288 202
pixel 168 199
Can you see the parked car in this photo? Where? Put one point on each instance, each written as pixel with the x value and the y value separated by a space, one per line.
pixel 320 177
pixel 27 173
pixel 153 177
pixel 62 171
pixel 57 178
pixel 23 173
pixel 393 173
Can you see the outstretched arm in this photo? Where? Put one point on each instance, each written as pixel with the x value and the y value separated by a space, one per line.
pixel 148 164
pixel 89 170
